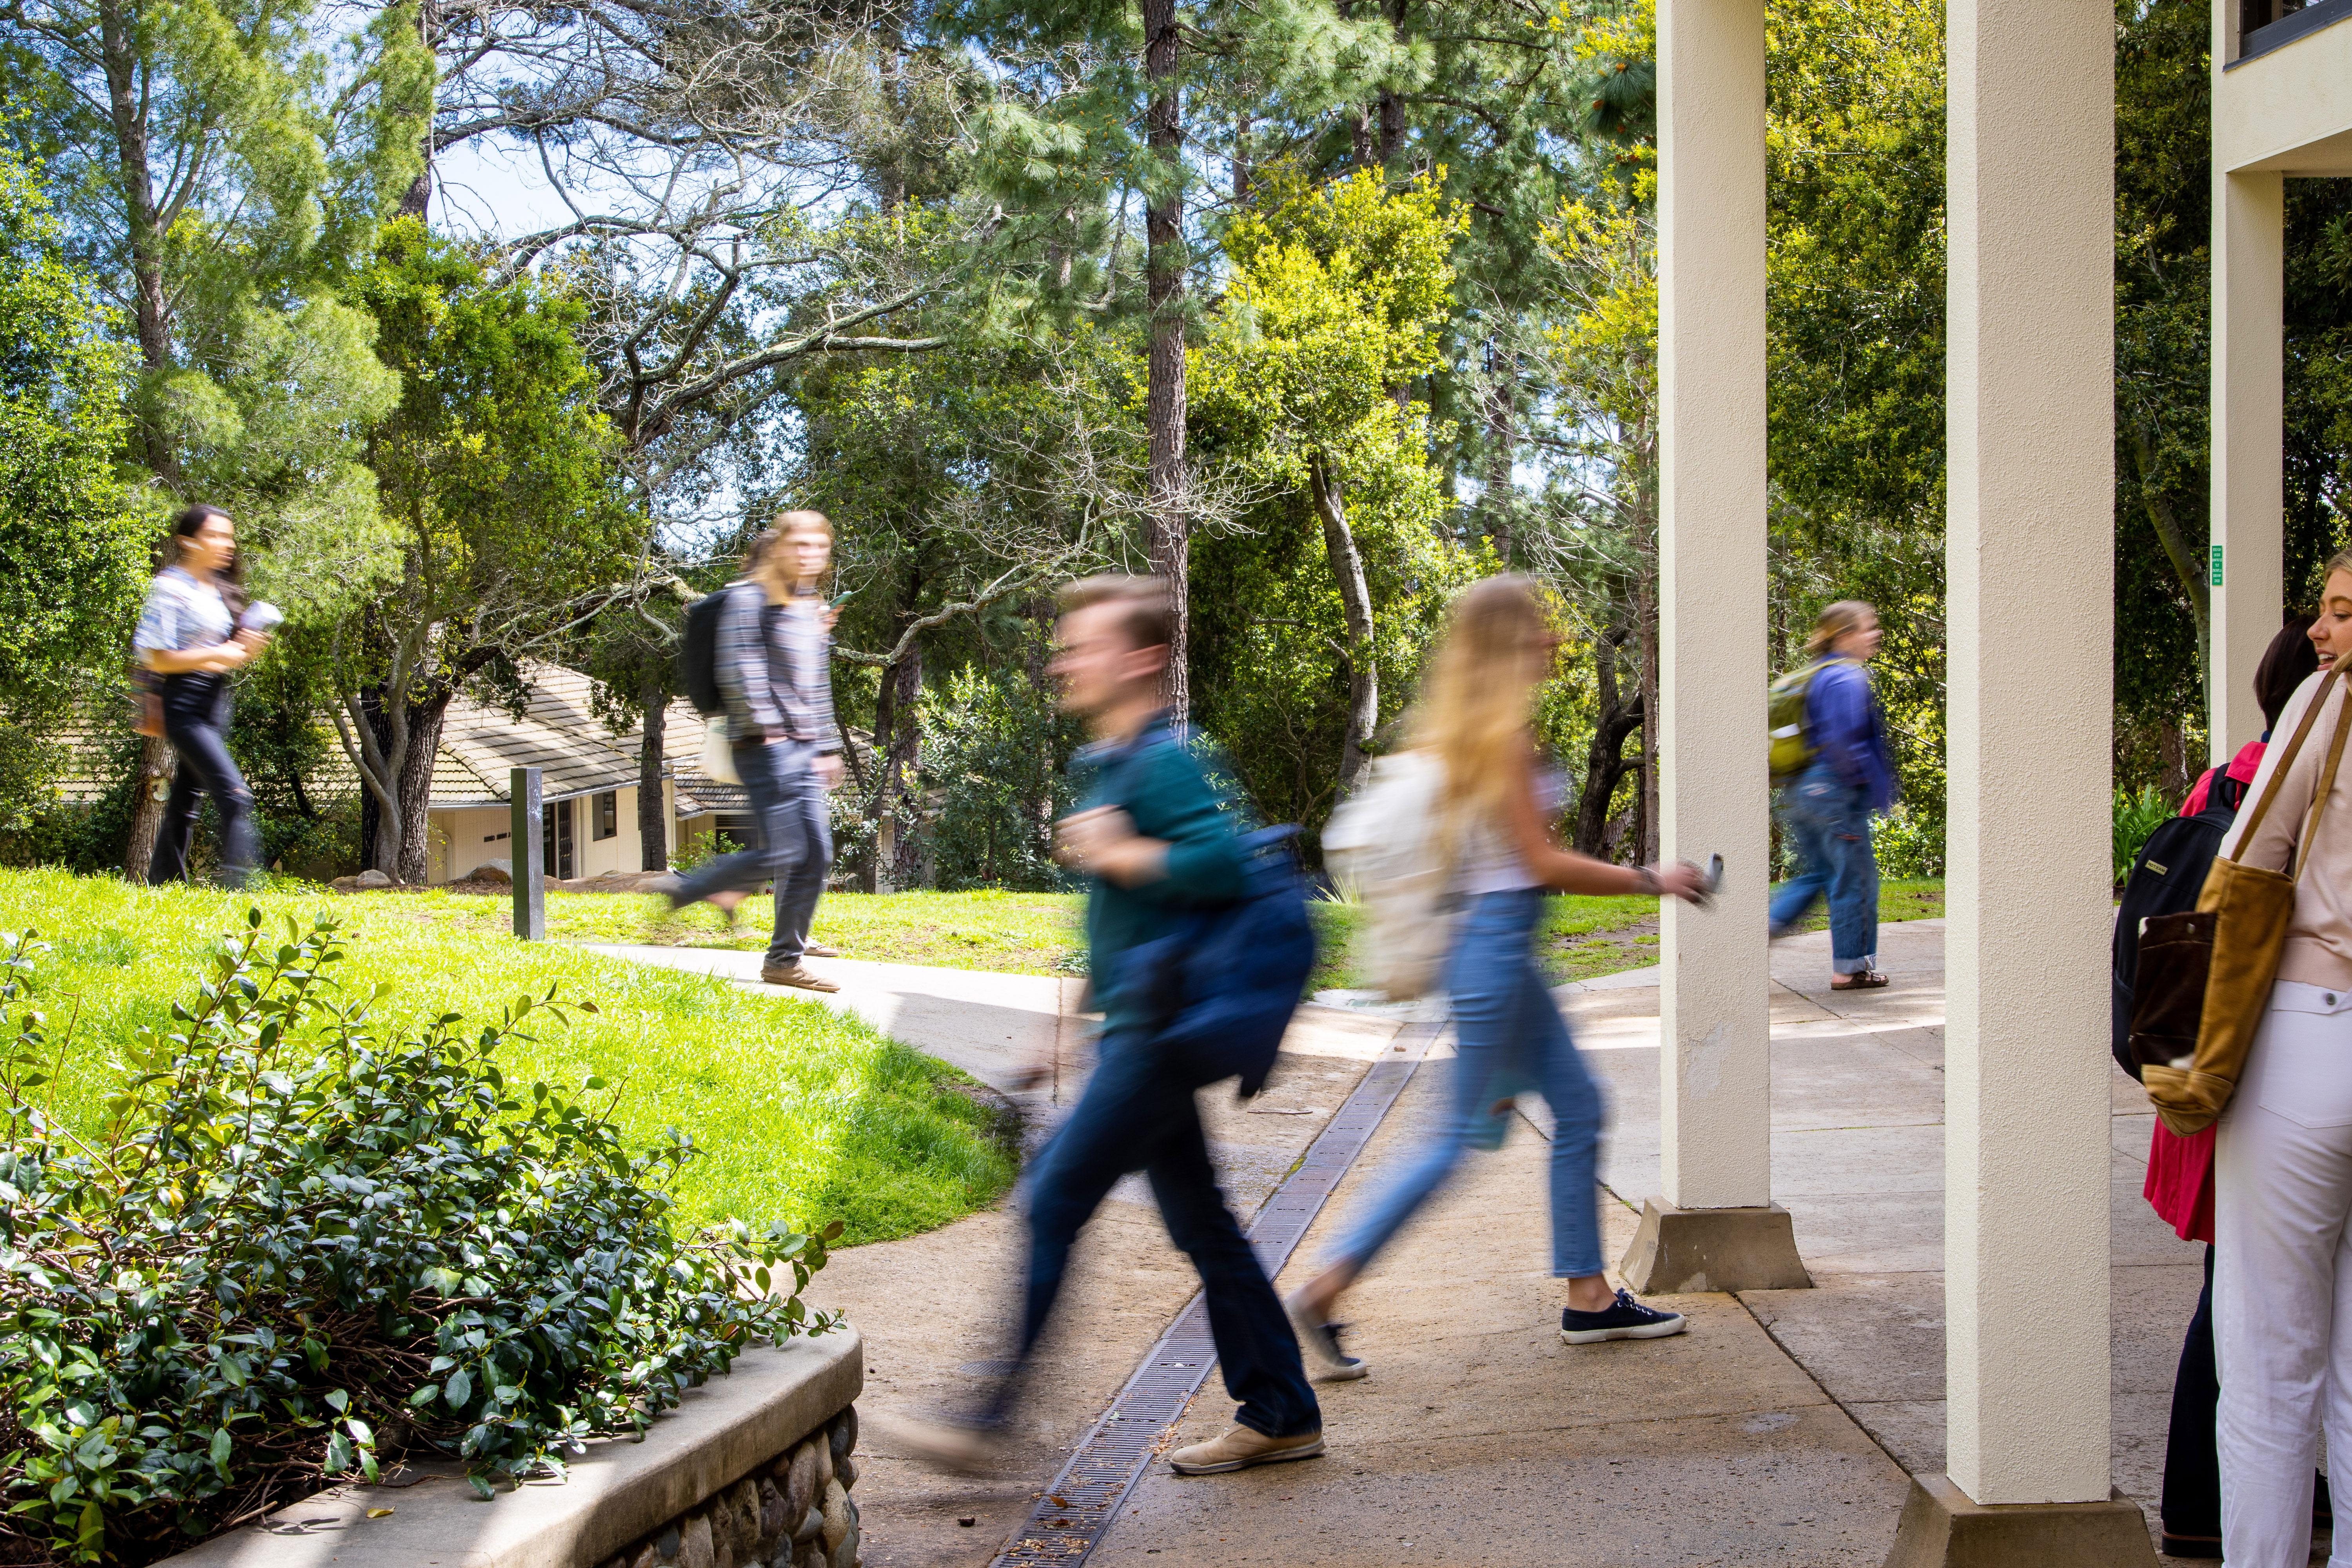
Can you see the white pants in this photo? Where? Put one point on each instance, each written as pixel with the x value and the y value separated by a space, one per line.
pixel 2283 1261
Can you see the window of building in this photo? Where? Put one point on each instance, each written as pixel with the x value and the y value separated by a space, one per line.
pixel 556 828
pixel 608 814
pixel 735 832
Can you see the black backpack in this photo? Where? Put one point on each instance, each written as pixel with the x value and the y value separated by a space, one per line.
pixel 2166 878
pixel 698 654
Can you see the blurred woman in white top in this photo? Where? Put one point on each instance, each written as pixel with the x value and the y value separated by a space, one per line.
pixel 1474 713
pixel 190 635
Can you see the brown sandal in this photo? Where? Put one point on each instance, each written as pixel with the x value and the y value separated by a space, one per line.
pixel 1860 979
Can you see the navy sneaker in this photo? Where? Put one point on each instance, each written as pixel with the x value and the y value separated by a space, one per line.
pixel 1623 1319
pixel 1326 1362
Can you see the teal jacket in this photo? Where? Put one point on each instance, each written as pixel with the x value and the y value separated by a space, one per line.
pixel 1162 787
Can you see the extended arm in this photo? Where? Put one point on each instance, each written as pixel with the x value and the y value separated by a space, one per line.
pixel 1571 872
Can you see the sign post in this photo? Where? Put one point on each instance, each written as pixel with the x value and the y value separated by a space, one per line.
pixel 530 856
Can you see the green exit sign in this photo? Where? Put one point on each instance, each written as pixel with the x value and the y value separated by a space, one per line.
pixel 2217 566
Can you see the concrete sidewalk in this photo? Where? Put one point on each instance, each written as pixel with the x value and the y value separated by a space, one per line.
pixel 1778 1430
pixel 1858 1160
pixel 934 1309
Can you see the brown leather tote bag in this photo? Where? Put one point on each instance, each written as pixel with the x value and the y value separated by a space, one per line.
pixel 2205 975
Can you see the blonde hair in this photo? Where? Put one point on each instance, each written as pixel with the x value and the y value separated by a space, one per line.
pixel 2339 562
pixel 1478 698
pixel 786 524
pixel 1834 622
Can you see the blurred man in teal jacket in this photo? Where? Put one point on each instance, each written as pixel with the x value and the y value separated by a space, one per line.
pixel 1156 842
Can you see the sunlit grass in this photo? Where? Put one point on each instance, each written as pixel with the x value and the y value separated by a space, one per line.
pixel 803 1114
pixel 1019 934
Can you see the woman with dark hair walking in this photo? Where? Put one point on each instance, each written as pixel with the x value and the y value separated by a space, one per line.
pixel 194 631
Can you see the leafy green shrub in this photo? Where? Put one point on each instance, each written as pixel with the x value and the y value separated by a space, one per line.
pixel 2137 815
pixel 1908 845
pixel 299 1249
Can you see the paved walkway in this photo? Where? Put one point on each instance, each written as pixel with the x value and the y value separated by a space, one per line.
pixel 1778 1430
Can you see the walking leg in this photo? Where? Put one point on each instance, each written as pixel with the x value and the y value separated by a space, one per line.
pixel 1256 1349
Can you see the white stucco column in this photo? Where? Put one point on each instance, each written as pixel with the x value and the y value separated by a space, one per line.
pixel 2030 380
pixel 1712 790
pixel 2244 494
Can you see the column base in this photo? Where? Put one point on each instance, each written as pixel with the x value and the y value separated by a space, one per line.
pixel 1943 1527
pixel 1679 1249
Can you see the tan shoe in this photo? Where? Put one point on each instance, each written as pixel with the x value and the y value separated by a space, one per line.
pixel 799 975
pixel 966 1450
pixel 1241 1448
pixel 818 950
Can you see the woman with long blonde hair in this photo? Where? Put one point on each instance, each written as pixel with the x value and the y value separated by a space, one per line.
pixel 1475 714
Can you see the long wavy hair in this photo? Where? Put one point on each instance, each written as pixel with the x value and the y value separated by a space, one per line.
pixel 1478 699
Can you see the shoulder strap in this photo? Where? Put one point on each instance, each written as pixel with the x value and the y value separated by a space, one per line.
pixel 2310 834
pixel 2285 762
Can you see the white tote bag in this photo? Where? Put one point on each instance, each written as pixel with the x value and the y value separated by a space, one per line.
pixel 716 763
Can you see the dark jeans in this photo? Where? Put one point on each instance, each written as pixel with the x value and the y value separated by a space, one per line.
pixel 195 721
pixel 795 847
pixel 1830 823
pixel 1136 1116
pixel 2191 1507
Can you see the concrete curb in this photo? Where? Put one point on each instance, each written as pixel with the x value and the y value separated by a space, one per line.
pixel 620 1492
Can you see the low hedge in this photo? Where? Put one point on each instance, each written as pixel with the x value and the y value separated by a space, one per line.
pixel 302 1246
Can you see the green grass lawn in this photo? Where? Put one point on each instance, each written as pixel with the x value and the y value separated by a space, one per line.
pixel 1017 933
pixel 803 1115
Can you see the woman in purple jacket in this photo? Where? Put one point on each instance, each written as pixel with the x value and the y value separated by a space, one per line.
pixel 1828 809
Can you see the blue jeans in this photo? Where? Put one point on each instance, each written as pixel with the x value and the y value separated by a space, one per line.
pixel 1135 1115
pixel 795 846
pixel 1507 1033
pixel 195 721
pixel 1830 822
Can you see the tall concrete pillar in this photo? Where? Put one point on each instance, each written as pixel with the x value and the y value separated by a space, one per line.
pixel 2030 383
pixel 1714 1226
pixel 2244 494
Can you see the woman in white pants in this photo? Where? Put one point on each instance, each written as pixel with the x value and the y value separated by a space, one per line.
pixel 2282 1157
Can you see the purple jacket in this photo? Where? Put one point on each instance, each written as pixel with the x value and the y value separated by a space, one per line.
pixel 1849 734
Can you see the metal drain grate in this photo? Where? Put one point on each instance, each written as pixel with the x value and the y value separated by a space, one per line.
pixel 1076 1510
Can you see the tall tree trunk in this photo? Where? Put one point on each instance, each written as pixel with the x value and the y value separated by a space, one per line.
pixel 901 807
pixel 152 321
pixel 1356 606
pixel 1501 415
pixel 156 765
pixel 1041 806
pixel 416 787
pixel 1645 606
pixel 1241 159
pixel 652 811
pixel 1617 717
pixel 1163 229
pixel 886 720
pixel 2189 568
pixel 418 197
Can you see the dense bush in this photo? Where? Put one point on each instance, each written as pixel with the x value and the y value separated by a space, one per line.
pixel 995 751
pixel 301 1248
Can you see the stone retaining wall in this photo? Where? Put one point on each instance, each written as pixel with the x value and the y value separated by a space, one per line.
pixel 753 1469
pixel 792 1513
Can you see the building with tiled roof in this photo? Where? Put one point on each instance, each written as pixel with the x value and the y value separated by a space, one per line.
pixel 588 780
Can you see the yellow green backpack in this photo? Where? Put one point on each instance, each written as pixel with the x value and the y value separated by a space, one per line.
pixel 1792 750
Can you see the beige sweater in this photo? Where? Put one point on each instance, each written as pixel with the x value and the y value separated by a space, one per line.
pixel 2319 937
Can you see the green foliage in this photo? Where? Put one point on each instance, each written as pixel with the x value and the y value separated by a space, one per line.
pixel 995 751
pixel 1855 303
pixel 75 549
pixel 303 1243
pixel 2137 814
